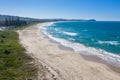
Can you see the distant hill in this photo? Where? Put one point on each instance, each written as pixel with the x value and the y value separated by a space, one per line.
pixel 92 20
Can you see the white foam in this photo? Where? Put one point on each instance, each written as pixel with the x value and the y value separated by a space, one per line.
pixel 44 26
pixel 71 39
pixel 49 24
pixel 109 42
pixel 80 48
pixel 70 33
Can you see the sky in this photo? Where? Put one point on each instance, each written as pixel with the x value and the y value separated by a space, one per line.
pixel 69 9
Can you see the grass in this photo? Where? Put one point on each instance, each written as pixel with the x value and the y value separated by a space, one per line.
pixel 15 64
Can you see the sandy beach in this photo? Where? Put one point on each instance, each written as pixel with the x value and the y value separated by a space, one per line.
pixel 60 64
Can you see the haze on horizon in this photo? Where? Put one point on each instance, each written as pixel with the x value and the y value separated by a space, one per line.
pixel 69 9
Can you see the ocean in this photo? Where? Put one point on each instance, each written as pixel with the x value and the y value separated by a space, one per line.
pixel 99 38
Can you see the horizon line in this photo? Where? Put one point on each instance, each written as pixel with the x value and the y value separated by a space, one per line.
pixel 57 18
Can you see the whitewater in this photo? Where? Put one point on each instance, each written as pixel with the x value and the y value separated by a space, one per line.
pixel 68 38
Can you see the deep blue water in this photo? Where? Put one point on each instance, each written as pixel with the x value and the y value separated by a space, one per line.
pixel 100 35
pixel 103 35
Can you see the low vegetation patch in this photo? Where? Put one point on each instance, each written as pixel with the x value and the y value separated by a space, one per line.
pixel 15 64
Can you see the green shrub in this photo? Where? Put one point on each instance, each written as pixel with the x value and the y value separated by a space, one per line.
pixel 13 61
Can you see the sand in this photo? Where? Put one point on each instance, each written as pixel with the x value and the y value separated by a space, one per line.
pixel 60 64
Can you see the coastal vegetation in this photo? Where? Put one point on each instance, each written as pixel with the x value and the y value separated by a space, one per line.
pixel 15 64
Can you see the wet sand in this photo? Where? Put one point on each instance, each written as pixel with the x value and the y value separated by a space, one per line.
pixel 60 63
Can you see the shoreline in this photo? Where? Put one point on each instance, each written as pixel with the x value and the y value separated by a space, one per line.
pixel 108 57
pixel 61 62
pixel 93 58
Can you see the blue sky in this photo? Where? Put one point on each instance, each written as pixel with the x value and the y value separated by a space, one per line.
pixel 77 9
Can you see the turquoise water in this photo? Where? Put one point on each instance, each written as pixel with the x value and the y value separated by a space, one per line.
pixel 101 37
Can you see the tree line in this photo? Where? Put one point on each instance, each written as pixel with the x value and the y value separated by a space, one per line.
pixel 12 21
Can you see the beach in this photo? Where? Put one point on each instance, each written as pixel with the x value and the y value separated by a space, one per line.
pixel 60 64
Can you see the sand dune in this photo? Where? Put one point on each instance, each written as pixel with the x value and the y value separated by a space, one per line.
pixel 57 64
